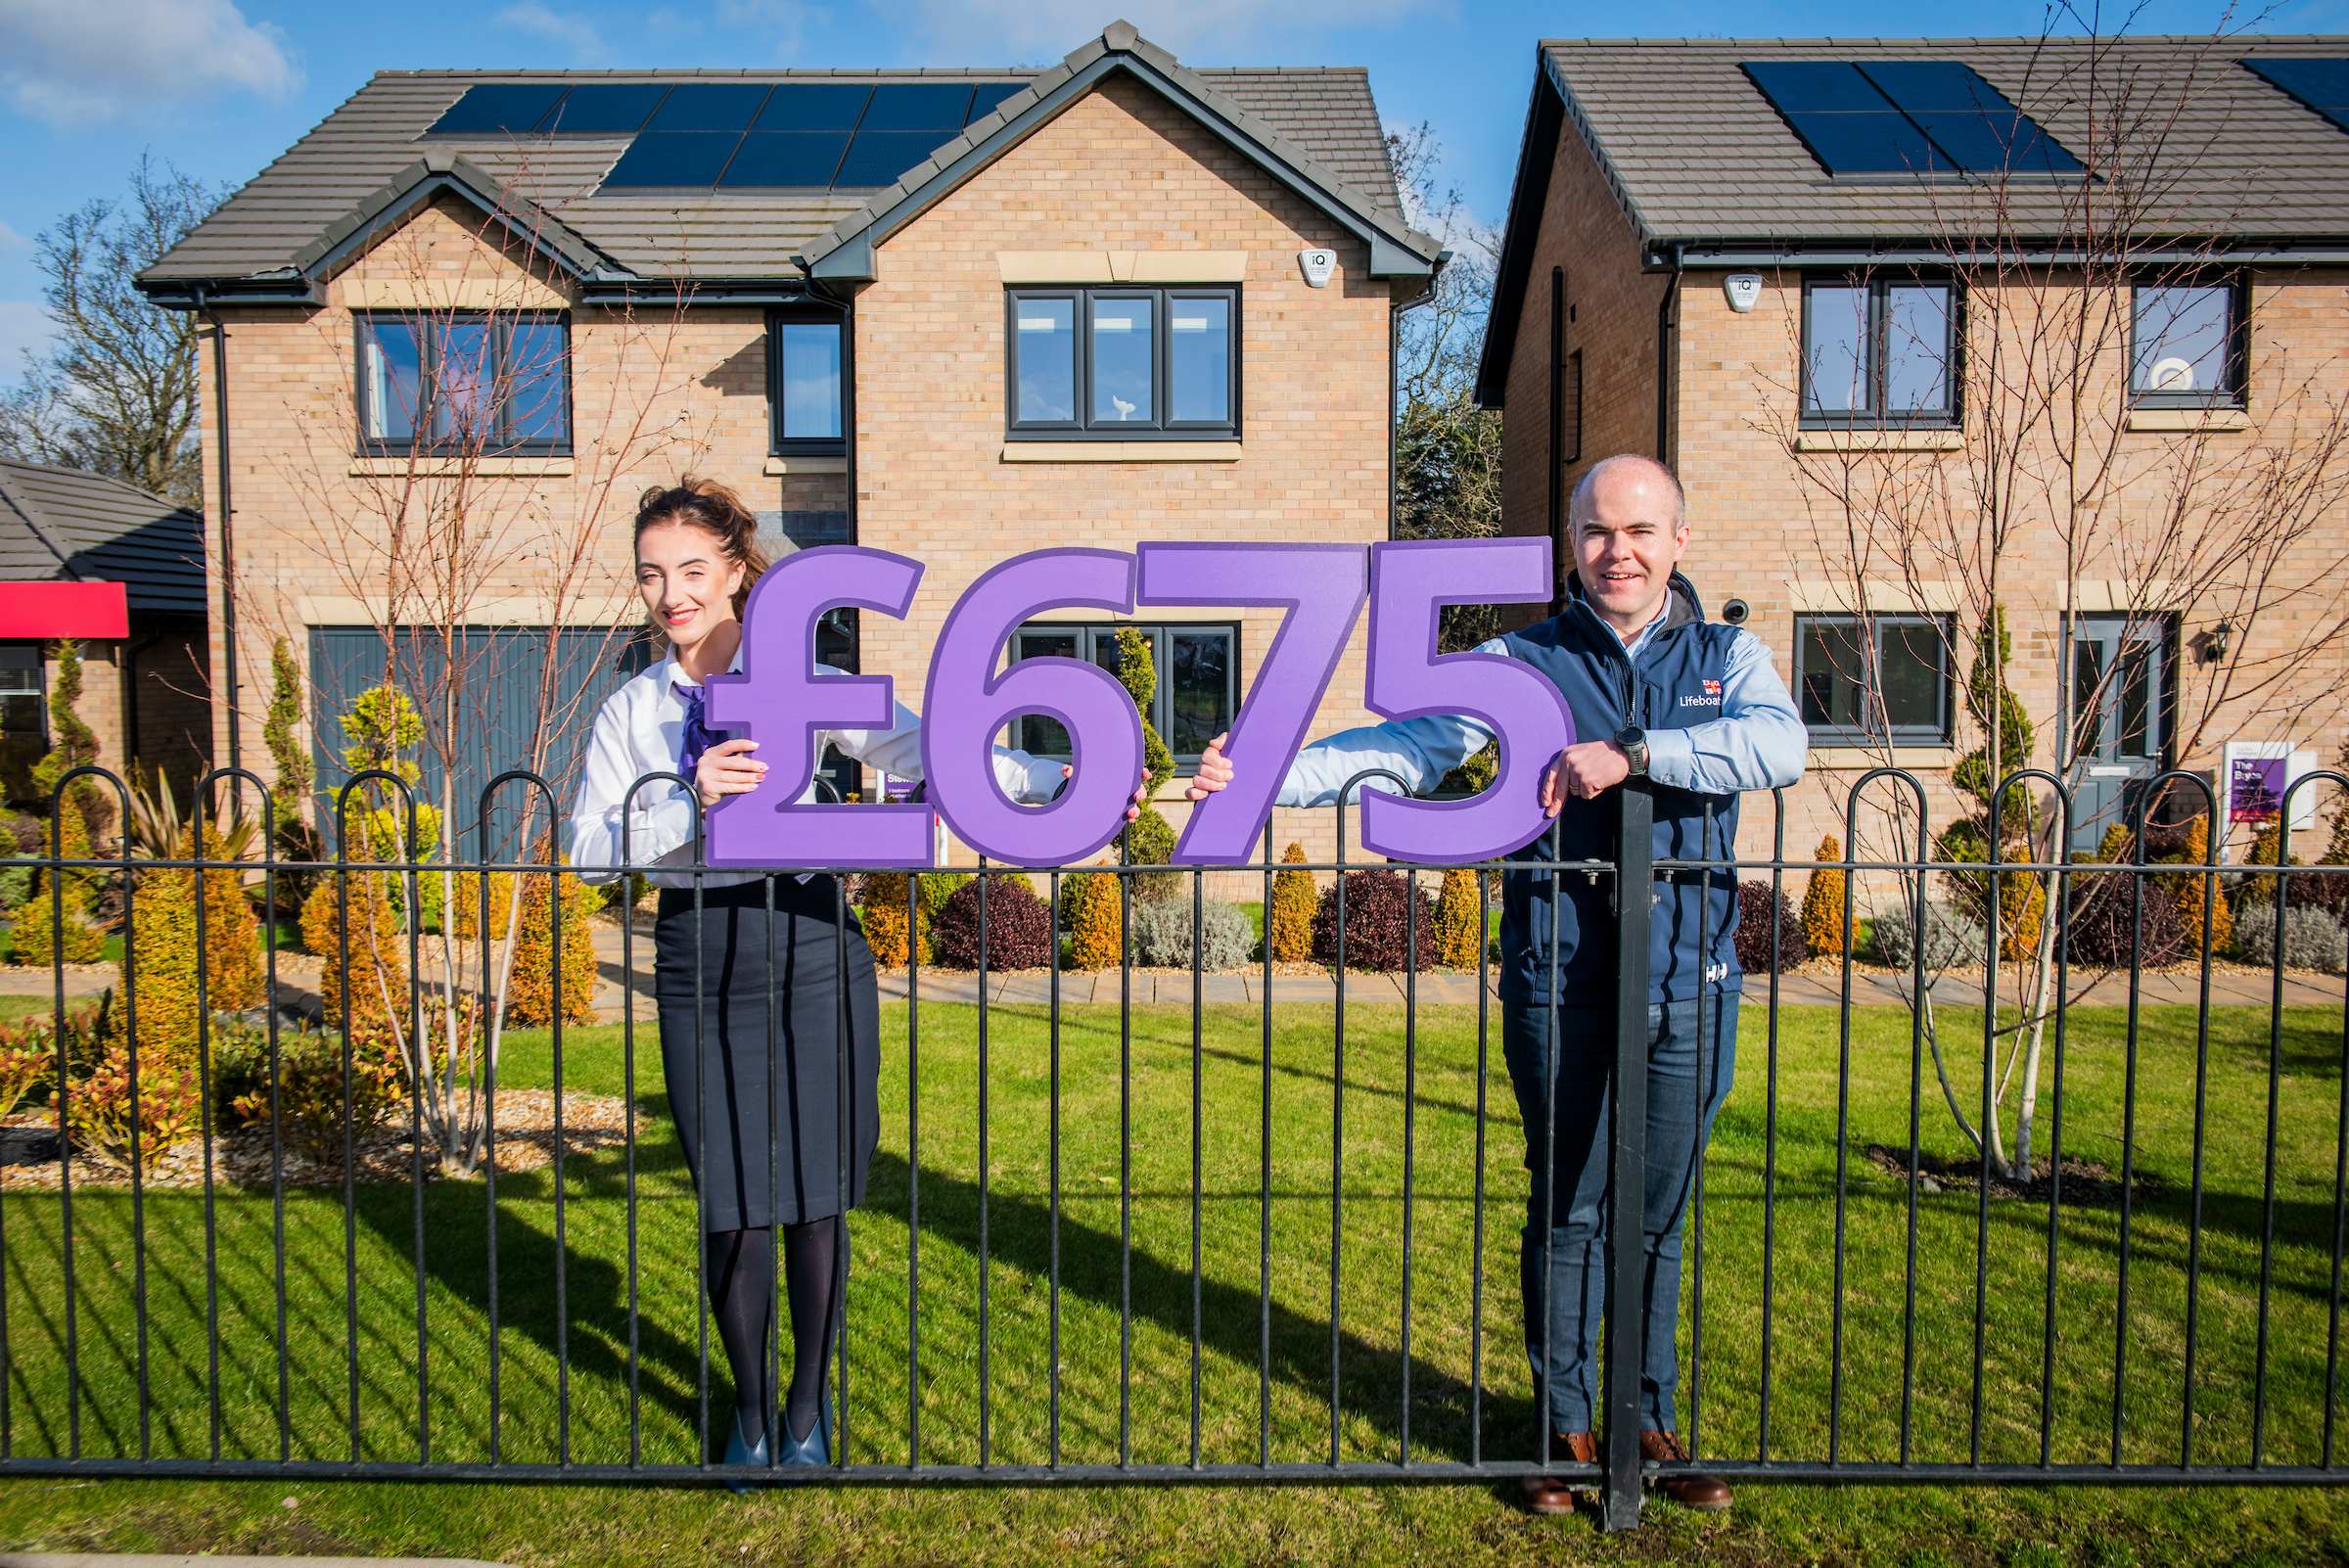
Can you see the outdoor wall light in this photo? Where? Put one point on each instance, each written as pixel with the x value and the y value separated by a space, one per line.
pixel 2214 642
pixel 1736 611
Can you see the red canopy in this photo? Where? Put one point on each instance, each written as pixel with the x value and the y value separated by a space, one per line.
pixel 63 610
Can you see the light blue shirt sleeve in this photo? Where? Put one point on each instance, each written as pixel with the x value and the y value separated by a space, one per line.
pixel 1757 742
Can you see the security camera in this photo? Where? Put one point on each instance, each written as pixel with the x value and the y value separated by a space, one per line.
pixel 1736 611
pixel 1744 288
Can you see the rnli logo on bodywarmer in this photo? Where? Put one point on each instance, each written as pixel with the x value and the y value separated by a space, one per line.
pixel 1710 698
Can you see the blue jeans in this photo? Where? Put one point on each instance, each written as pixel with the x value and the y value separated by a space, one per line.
pixel 1685 1085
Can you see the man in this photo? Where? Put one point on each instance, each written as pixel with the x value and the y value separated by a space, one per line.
pixel 1696 707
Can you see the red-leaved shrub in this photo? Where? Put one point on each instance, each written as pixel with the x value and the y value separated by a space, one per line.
pixel 1377 922
pixel 1755 900
pixel 1019 926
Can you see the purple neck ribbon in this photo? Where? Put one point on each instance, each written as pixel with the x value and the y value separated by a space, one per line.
pixel 699 737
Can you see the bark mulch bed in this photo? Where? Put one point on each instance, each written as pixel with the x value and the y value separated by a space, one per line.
pixel 2086 1183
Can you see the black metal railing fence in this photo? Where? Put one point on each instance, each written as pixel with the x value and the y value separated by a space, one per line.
pixel 1239 1232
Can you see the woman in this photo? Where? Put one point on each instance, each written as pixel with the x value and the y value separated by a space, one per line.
pixel 767 1080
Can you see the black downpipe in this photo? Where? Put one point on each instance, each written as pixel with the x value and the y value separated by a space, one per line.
pixel 1664 357
pixel 1556 487
pixel 130 694
pixel 228 535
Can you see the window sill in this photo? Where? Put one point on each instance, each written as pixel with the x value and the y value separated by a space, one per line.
pixel 1858 757
pixel 2190 419
pixel 1879 440
pixel 449 467
pixel 807 464
pixel 1120 451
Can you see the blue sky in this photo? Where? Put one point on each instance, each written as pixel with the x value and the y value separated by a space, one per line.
pixel 218 87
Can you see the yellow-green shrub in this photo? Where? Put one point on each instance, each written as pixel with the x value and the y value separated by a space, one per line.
pixel 1459 931
pixel 1289 923
pixel 470 924
pixel 530 992
pixel 309 1092
pixel 83 944
pixel 884 920
pixel 357 903
pixel 1822 902
pixel 2192 892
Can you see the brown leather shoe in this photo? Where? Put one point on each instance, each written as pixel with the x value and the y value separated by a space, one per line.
pixel 1687 1487
pixel 1548 1493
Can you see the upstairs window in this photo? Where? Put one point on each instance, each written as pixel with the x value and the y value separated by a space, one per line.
pixel 1878 352
pixel 2188 346
pixel 1869 680
pixel 1122 365
pixel 1198 675
pixel 807 367
pixel 464 382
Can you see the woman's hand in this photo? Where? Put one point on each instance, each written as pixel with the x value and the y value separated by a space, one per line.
pixel 1141 796
pixel 727 769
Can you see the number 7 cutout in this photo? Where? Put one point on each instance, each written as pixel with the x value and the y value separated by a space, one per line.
pixel 1322 588
pixel 779 700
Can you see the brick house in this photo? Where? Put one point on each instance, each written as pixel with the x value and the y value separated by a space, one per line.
pixel 119 571
pixel 1791 270
pixel 957 315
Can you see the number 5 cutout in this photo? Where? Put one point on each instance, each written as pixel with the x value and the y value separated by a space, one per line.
pixel 779 700
pixel 1410 582
pixel 1322 586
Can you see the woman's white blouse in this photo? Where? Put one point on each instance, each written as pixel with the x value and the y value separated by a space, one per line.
pixel 641 730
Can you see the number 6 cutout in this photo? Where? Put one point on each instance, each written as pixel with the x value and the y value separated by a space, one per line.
pixel 1410 582
pixel 779 700
pixel 1322 588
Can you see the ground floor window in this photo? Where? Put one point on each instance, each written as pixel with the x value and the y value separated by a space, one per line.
pixel 23 718
pixel 1198 681
pixel 1868 679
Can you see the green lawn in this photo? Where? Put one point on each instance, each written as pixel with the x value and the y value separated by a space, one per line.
pixel 1098 1201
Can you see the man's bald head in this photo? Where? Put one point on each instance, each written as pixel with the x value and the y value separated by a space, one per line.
pixel 1625 468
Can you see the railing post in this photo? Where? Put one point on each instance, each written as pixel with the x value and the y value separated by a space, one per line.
pixel 1627 1174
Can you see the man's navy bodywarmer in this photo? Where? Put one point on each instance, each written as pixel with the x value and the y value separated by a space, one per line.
pixel 1675 683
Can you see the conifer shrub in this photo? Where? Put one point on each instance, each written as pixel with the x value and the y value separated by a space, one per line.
pixel 1823 902
pixel 102 1116
pixel 356 906
pixel 1018 931
pixel 472 924
pixel 73 744
pixel 1459 928
pixel 2192 891
pixel 37 941
pixel 1090 906
pixel 1289 922
pixel 936 887
pixel 1378 923
pixel 530 992
pixel 1150 839
pixel 884 919
pixel 1762 908
pixel 1162 934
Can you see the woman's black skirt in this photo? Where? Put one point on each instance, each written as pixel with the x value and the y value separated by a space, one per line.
pixel 769 1074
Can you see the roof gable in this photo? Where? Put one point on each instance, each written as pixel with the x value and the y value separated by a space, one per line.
pixel 71 525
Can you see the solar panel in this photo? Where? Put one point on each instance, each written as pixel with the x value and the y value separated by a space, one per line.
pixel 918 107
pixel 2322 85
pixel 814 107
pixel 990 94
pixel 1913 117
pixel 674 159
pixel 786 158
pixel 497 110
pixel 878 157
pixel 605 109
pixel 711 107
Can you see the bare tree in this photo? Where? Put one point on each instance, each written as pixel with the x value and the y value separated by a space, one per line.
pixel 116 394
pixel 2047 479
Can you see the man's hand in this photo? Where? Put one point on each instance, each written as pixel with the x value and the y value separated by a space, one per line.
pixel 727 769
pixel 1582 771
pixel 1215 771
pixel 1142 795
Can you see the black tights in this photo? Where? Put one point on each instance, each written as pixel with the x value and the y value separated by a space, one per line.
pixel 740 1270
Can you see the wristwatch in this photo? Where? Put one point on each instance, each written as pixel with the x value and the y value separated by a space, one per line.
pixel 1633 741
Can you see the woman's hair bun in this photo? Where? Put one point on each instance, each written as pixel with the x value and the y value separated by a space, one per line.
pixel 715 510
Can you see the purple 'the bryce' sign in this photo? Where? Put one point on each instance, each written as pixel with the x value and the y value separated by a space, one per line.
pixel 2255 788
pixel 781 700
pixel 1410 582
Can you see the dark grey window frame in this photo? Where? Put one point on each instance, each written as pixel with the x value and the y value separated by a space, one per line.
pixel 2236 394
pixel 1951 416
pixel 1083 428
pixel 777 444
pixel 1937 734
pixel 425 445
pixel 1161 702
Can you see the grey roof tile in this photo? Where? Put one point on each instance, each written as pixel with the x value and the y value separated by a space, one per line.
pixel 62 525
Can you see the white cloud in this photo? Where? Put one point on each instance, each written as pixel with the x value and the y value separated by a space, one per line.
pixel 989 31
pixel 11 240
pixel 74 62
pixel 569 29
pixel 24 327
pixel 786 20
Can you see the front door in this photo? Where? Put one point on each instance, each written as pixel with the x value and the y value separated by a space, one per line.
pixel 2121 713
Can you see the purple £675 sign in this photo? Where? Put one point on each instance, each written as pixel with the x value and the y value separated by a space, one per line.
pixel 779 700
pixel 1410 582
pixel 966 703
pixel 1322 586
